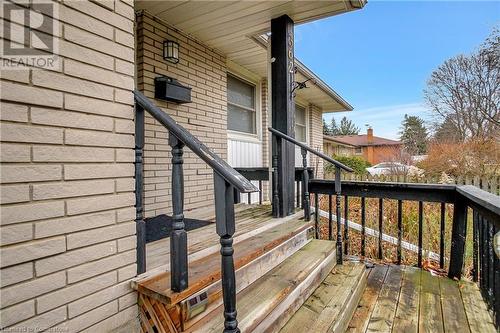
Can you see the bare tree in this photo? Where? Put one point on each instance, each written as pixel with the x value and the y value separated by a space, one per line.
pixel 465 91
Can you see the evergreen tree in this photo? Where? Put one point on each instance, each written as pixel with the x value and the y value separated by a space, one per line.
pixel 447 131
pixel 334 130
pixel 326 128
pixel 347 127
pixel 413 134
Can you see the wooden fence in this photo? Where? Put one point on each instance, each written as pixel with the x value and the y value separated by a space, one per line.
pixel 490 184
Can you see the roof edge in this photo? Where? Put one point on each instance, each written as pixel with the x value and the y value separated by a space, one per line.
pixel 323 85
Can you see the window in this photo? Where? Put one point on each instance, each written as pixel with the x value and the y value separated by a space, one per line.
pixel 241 115
pixel 300 123
pixel 358 150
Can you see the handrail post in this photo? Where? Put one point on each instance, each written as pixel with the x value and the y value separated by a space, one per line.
pixel 338 213
pixel 305 184
pixel 276 200
pixel 458 239
pixel 178 238
pixel 139 217
pixel 225 226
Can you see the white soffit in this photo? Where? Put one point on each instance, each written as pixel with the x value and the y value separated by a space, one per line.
pixel 230 27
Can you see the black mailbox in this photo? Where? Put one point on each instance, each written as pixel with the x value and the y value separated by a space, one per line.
pixel 171 90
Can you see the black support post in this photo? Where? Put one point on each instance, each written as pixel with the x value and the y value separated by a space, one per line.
pixel 283 108
pixel 306 203
pixel 338 215
pixel 458 239
pixel 139 217
pixel 178 238
pixel 225 226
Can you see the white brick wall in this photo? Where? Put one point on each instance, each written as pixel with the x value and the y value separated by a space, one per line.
pixel 205 71
pixel 67 190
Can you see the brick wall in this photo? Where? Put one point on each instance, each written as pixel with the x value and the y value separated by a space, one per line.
pixel 316 137
pixel 202 69
pixel 67 188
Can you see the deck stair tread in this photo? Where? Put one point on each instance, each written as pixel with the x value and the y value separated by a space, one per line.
pixel 202 241
pixel 275 294
pixel 331 306
pixel 205 271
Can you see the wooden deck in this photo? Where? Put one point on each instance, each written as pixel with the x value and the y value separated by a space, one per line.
pixel 407 299
pixel 250 220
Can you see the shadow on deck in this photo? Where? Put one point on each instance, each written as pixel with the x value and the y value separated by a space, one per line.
pixel 407 299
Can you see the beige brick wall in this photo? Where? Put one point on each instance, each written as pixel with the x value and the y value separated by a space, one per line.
pixel 202 69
pixel 67 190
pixel 316 138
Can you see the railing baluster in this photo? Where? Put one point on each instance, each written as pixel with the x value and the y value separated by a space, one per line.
pixel 225 226
pixel 178 237
pixel 491 264
pixel 380 222
pixel 346 225
pixel 297 193
pixel 276 200
pixel 458 234
pixel 330 218
pixel 260 192
pixel 139 178
pixel 475 236
pixel 482 258
pixel 305 184
pixel 400 231
pixel 442 234
pixel 496 292
pixel 316 215
pixel 338 214
pixel 420 227
pixel 363 225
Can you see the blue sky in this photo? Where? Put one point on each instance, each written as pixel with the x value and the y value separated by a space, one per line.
pixel 380 57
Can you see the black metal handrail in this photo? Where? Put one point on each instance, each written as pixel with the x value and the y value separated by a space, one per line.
pixel 309 149
pixel 306 204
pixel 196 146
pixel 486 223
pixel 226 180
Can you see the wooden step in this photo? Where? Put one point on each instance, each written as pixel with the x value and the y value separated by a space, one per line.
pixel 253 257
pixel 275 296
pixel 331 306
pixel 204 241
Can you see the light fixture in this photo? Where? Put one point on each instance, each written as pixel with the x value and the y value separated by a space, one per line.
pixel 171 51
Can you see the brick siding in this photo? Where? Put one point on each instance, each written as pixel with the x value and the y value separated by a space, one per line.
pixel 202 69
pixel 67 188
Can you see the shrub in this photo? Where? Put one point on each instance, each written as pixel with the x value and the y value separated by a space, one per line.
pixel 356 163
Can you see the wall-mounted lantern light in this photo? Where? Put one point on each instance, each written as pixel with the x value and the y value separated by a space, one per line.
pixel 171 51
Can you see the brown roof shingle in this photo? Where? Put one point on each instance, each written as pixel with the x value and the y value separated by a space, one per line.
pixel 361 140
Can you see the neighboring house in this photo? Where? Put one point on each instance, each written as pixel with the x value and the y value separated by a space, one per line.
pixel 372 148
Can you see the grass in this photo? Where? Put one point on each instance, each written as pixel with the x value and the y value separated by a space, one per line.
pixel 430 230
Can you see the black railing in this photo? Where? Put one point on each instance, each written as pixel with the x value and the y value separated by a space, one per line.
pixel 226 180
pixel 485 218
pixel 278 138
pixel 263 175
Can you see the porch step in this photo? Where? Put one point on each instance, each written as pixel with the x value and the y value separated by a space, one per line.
pixel 332 305
pixel 253 257
pixel 268 303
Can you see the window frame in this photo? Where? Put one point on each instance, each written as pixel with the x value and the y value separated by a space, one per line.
pixel 245 136
pixel 306 125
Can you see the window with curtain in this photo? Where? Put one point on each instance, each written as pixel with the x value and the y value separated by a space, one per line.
pixel 241 113
pixel 300 123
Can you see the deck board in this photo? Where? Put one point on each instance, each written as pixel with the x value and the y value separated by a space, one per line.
pixel 422 303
